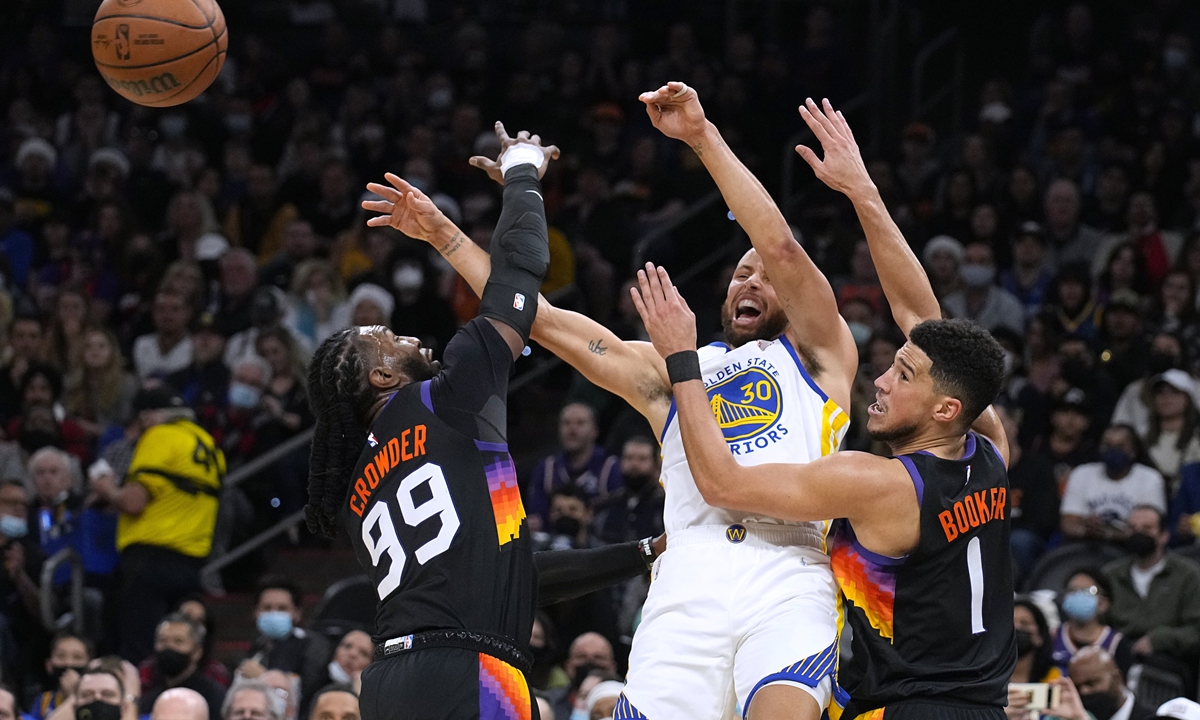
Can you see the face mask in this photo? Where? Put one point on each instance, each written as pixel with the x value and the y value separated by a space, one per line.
pixel 636 483
pixel 977 275
pixel 1102 706
pixel 243 396
pixel 337 674
pixel 275 624
pixel 408 277
pixel 1160 362
pixel 1141 544
pixel 1116 460
pixel 13 527
pixel 568 526
pixel 1024 643
pixel 1080 605
pixel 1075 370
pixel 861 333
pixel 58 672
pixel 578 714
pixel 172 663
pixel 31 440
pixel 239 124
pixel 98 710
pixel 1174 58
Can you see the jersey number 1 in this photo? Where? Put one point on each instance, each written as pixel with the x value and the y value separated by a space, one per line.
pixel 380 517
pixel 975 573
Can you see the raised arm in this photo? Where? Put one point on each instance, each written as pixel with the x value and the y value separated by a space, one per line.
pixel 901 275
pixel 856 486
pixel 632 370
pixel 806 295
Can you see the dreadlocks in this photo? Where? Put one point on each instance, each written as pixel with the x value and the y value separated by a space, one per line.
pixel 341 397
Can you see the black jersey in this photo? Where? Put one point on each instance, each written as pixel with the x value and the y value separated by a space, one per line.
pixel 937 623
pixel 434 511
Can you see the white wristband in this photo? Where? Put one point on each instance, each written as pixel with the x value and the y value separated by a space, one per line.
pixel 519 155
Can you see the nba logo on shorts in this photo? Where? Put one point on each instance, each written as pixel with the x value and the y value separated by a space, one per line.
pixel 371 440
pixel 735 533
pixel 518 302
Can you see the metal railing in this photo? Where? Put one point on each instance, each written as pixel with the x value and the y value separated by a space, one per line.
pixel 922 105
pixel 643 245
pixel 48 597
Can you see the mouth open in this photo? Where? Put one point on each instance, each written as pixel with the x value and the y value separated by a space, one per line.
pixel 875 409
pixel 747 311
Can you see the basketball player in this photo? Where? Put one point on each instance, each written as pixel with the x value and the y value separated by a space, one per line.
pixel 411 458
pixel 921 552
pixel 742 611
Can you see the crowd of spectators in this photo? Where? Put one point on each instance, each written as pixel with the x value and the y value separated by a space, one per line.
pixel 179 266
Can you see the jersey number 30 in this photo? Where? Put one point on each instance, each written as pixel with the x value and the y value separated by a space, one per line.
pixel 380 518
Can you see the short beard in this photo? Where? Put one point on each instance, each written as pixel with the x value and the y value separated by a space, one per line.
pixel 769 327
pixel 417 368
pixel 892 435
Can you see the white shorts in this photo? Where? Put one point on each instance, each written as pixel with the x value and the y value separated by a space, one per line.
pixel 725 618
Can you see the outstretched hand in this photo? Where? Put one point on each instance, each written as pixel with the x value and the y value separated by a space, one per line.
pixel 492 167
pixel 668 320
pixel 405 208
pixel 842 168
pixel 675 110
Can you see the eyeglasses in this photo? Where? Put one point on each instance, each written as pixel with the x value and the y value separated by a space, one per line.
pixel 1090 590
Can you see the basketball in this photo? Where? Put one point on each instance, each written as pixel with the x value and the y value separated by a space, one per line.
pixel 159 53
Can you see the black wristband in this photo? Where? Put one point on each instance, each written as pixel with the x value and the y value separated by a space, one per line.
pixel 646 548
pixel 683 366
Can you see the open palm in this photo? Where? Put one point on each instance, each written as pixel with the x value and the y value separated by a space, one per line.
pixel 404 208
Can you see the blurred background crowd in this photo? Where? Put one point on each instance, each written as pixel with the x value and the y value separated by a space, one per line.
pixel 177 267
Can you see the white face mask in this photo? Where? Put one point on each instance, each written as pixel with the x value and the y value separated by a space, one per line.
pixel 337 674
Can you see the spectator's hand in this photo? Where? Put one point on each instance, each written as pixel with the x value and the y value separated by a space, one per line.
pixel 103 484
pixel 1095 526
pixel 492 167
pixel 1017 702
pixel 14 560
pixel 406 209
pixel 1069 707
pixel 842 168
pixel 668 320
pixel 251 668
pixel 675 111
pixel 273 405
pixel 70 681
pixel 1143 646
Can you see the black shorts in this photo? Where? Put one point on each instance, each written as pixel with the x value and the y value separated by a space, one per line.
pixel 440 683
pixel 933 710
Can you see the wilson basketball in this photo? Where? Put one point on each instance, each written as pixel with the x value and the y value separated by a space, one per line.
pixel 159 52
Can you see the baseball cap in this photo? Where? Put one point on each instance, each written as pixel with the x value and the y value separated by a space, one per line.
pixel 1176 378
pixel 156 398
pixel 1030 228
pixel 1074 399
pixel 1125 299
pixel 1180 708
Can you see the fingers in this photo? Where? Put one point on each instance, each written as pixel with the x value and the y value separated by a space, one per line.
pixel 648 295
pixel 502 133
pixel 379 206
pixel 654 279
pixel 399 183
pixel 523 135
pixel 820 118
pixel 846 127
pixel 383 191
pixel 553 151
pixel 817 128
pixel 379 221
pixel 809 156
pixel 483 163
pixel 643 312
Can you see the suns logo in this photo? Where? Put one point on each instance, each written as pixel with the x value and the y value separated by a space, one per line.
pixel 746 404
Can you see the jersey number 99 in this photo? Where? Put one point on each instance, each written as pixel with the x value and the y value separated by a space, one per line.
pixel 380 518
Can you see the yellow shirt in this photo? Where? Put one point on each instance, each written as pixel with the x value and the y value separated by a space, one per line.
pixel 181 468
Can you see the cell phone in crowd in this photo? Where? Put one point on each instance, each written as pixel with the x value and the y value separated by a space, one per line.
pixel 1042 696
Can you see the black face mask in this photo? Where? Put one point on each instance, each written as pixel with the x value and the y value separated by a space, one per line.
pixel 58 672
pixel 1076 371
pixel 98 710
pixel 541 655
pixel 1101 705
pixel 172 663
pixel 1025 643
pixel 568 526
pixel 1141 544
pixel 636 483
pixel 33 440
pixel 1160 362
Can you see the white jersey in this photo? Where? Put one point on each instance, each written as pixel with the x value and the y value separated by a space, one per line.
pixel 770 411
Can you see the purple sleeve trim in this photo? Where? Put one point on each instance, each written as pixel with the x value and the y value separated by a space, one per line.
pixel 425 396
pixel 491 446
pixel 918 483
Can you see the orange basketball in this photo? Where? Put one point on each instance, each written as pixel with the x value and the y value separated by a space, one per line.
pixel 159 52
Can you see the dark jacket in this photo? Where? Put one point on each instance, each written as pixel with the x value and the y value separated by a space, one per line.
pixel 1169 614
pixel 209 689
pixel 303 653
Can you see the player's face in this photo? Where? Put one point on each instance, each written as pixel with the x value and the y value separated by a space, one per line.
pixel 903 396
pixel 751 310
pixel 401 353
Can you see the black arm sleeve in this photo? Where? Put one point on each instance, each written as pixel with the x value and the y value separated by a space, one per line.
pixel 520 253
pixel 568 574
pixel 471 392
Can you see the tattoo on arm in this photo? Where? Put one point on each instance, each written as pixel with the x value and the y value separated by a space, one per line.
pixel 451 245
pixel 699 147
pixel 597 346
